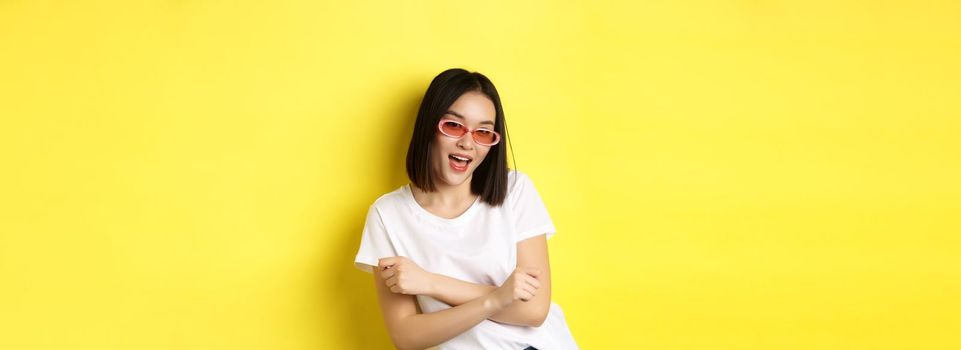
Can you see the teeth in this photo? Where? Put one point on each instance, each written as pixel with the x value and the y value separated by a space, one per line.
pixel 459 158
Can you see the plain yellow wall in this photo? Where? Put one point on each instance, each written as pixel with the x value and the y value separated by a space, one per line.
pixel 722 174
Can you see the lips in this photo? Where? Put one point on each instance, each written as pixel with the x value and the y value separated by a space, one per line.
pixel 461 156
pixel 459 162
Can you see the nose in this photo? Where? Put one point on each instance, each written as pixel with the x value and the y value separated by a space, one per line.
pixel 465 141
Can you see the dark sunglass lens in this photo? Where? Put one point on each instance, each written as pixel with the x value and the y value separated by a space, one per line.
pixel 485 136
pixel 452 128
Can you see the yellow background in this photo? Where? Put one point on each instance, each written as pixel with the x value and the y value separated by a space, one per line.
pixel 722 174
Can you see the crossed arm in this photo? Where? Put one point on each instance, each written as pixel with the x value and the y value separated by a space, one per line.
pixel 524 299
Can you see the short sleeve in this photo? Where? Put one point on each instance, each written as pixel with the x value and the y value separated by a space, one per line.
pixel 374 242
pixel 530 214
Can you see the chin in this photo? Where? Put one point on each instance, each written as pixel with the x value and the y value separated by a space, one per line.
pixel 453 178
pixel 457 179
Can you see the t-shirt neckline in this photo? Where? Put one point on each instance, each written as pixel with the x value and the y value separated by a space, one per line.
pixel 459 219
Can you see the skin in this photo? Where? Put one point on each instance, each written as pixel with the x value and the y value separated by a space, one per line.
pixel 524 297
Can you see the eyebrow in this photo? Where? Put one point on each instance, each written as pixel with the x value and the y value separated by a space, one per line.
pixel 488 122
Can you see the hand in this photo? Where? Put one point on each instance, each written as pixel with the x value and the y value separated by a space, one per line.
pixel 521 285
pixel 403 276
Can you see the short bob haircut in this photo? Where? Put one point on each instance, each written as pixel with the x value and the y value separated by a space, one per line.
pixel 489 180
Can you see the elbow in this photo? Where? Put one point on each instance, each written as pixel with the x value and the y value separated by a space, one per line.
pixel 400 342
pixel 405 335
pixel 405 341
pixel 537 322
pixel 404 347
pixel 538 317
pixel 396 338
pixel 401 345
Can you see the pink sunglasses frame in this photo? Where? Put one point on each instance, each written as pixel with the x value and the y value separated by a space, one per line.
pixel 497 136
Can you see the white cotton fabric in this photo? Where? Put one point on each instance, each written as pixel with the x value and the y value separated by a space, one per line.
pixel 479 246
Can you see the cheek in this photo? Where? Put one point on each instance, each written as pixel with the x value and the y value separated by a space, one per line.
pixel 482 156
pixel 441 141
pixel 437 151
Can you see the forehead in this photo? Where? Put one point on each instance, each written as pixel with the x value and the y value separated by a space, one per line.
pixel 473 108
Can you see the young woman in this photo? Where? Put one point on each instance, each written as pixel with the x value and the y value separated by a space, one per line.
pixel 459 255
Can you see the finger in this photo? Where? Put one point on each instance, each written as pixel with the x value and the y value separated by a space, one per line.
pixel 526 296
pixel 388 273
pixel 395 289
pixel 533 272
pixel 383 263
pixel 532 282
pixel 391 281
pixel 529 289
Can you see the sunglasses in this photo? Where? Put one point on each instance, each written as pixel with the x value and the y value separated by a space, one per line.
pixel 481 136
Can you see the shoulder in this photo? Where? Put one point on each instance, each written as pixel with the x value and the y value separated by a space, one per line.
pixel 517 179
pixel 519 185
pixel 390 199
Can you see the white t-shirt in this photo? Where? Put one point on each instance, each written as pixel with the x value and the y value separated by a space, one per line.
pixel 479 246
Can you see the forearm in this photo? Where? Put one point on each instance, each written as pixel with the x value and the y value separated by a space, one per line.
pixel 419 331
pixel 456 292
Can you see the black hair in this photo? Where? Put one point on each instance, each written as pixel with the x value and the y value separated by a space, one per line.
pixel 489 180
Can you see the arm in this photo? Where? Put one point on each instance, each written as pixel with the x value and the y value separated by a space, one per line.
pixel 411 330
pixel 531 253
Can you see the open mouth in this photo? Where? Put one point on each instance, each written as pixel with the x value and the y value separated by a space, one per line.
pixel 459 163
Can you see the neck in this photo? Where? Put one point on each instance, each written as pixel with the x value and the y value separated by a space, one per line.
pixel 445 195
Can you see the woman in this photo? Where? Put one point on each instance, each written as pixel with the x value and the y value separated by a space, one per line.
pixel 459 255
